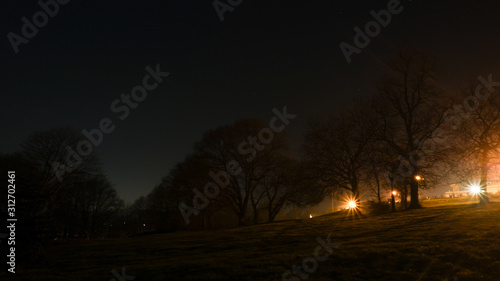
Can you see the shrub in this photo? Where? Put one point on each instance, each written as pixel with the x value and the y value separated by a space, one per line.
pixel 378 208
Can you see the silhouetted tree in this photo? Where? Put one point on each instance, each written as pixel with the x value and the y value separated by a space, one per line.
pixel 94 201
pixel 410 110
pixel 238 155
pixel 278 183
pixel 335 150
pixel 48 170
pixel 478 129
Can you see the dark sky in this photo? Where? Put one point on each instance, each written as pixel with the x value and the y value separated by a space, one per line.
pixel 264 54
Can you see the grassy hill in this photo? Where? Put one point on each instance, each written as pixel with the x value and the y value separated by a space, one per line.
pixel 446 239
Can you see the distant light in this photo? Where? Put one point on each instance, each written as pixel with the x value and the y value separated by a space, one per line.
pixel 310 216
pixel 144 224
pixel 417 177
pixel 351 204
pixel 475 188
pixel 123 222
pixel 394 193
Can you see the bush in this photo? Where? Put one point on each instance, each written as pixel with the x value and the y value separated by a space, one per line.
pixel 378 208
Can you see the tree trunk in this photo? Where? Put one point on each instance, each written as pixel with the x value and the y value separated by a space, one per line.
pixel 355 191
pixel 404 197
pixel 414 195
pixel 241 219
pixel 270 213
pixel 378 187
pixel 270 217
pixel 274 211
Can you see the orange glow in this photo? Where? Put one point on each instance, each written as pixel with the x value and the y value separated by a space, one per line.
pixel 351 204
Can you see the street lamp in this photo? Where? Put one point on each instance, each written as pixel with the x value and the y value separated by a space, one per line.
pixel 351 204
pixel 418 178
pixel 475 189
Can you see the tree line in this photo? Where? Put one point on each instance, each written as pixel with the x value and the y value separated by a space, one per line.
pixel 408 126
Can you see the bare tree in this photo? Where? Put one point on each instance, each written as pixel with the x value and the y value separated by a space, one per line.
pixel 410 109
pixel 42 150
pixel 374 178
pixel 334 150
pixel 94 201
pixel 42 187
pixel 479 131
pixel 238 156
pixel 183 182
pixel 278 184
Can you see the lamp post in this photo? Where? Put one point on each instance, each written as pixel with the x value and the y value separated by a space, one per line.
pixel 332 202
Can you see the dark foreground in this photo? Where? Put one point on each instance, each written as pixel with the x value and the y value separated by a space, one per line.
pixel 448 239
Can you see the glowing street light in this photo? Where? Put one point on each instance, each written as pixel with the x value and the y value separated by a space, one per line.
pixel 418 178
pixel 351 204
pixel 394 192
pixel 475 189
pixel 310 216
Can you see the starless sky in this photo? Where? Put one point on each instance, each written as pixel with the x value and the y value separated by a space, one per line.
pixel 264 54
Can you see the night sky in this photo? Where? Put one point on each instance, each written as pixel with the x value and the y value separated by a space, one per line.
pixel 265 54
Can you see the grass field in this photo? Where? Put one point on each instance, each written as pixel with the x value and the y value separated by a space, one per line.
pixel 446 239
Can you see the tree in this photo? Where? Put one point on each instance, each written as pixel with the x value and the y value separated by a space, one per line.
pixel 335 150
pixel 192 178
pixel 42 185
pixel 238 155
pixel 478 131
pixel 94 201
pixel 278 183
pixel 136 215
pixel 409 107
pixel 374 178
pixel 44 150
pixel 306 188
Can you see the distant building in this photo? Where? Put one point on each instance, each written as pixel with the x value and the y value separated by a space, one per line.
pixel 456 191
pixel 492 185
